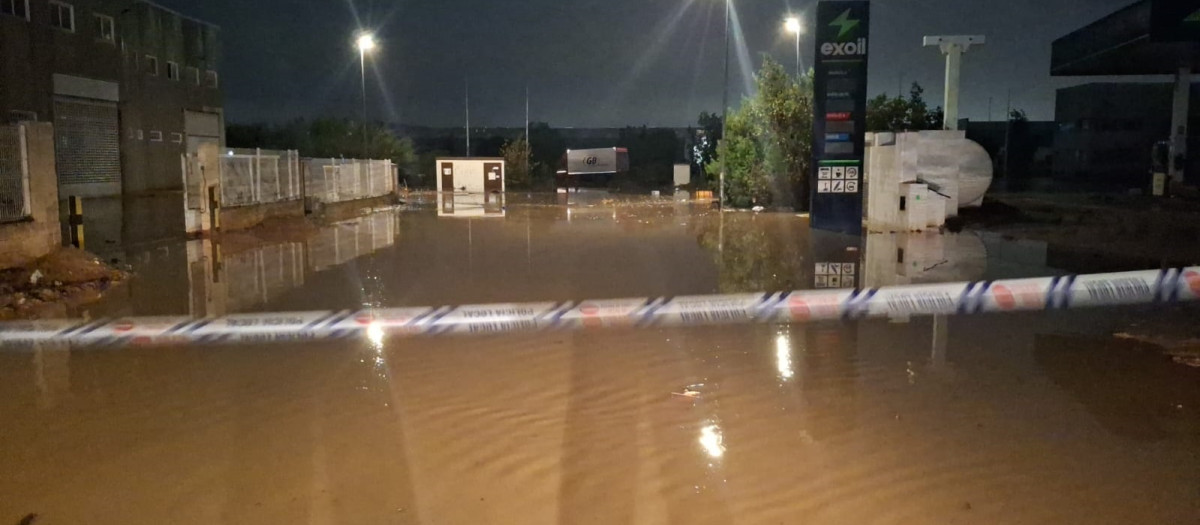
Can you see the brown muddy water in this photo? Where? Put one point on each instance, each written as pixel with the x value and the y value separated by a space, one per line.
pixel 1024 418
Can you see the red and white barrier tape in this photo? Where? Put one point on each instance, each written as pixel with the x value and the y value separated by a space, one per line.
pixel 796 307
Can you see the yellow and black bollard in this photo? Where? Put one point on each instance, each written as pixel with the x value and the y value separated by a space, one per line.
pixel 75 220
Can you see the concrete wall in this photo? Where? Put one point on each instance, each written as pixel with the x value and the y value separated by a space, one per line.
pixel 40 235
pixel 243 217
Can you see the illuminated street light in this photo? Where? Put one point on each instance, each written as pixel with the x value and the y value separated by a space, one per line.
pixel 365 44
pixel 793 25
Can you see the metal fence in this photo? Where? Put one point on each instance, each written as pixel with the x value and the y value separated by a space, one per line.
pixel 14 174
pixel 339 180
pixel 255 176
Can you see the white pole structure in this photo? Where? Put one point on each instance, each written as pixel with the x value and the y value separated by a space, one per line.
pixel 365 43
pixel 725 106
pixel 1179 122
pixel 467 104
pixel 953 47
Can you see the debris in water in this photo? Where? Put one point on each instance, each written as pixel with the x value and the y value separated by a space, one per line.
pixel 690 391
pixel 35 277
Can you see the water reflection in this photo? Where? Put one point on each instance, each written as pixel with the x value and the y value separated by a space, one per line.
pixel 783 356
pixel 712 440
pixel 1130 388
pixel 755 252
pixel 474 205
pixel 208 277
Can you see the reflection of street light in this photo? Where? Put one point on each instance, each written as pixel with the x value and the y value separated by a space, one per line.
pixel 712 441
pixel 783 356
pixel 365 43
pixel 792 25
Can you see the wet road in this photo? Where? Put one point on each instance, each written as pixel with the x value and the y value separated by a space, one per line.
pixel 1023 418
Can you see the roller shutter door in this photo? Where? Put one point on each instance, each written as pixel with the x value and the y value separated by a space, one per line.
pixel 86 136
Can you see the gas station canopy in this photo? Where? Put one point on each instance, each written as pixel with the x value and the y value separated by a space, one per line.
pixel 1149 37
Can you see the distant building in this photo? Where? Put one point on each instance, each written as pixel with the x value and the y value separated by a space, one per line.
pixel 129 85
pixel 1030 142
pixel 1106 131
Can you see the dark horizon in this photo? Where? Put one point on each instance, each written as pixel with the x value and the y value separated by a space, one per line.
pixel 591 64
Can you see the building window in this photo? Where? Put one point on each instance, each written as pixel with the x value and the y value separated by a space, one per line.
pixel 194 74
pixel 15 8
pixel 141 135
pixel 177 138
pixel 152 65
pixel 210 79
pixel 173 70
pixel 62 16
pixel 106 28
pixel 155 136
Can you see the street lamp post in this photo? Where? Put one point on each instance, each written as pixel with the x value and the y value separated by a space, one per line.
pixel 366 42
pixel 725 103
pixel 793 25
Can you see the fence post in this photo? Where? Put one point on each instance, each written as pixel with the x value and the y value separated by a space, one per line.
pixel 278 174
pixel 75 220
pixel 256 177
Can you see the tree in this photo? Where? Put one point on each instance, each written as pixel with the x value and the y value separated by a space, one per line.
pixel 885 113
pixel 767 149
pixel 517 157
pixel 705 139
pixel 546 149
pixel 328 138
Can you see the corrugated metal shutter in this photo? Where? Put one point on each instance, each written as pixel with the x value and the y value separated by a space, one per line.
pixel 86 136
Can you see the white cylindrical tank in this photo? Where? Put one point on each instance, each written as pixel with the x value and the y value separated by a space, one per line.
pixel 960 167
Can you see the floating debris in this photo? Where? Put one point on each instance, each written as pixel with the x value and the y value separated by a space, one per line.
pixel 690 391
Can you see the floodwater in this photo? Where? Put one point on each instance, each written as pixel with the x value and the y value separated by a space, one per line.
pixel 1022 418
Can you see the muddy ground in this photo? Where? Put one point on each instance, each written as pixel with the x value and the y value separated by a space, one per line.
pixel 1098 232
pixel 50 285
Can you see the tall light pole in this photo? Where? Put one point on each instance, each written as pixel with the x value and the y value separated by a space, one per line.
pixel 365 43
pixel 793 25
pixel 725 103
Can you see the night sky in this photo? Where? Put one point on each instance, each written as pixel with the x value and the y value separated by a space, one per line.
pixel 601 62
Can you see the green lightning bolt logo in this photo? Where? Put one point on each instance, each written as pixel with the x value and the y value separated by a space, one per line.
pixel 844 24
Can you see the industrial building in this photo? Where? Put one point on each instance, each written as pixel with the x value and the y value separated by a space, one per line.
pixel 1102 126
pixel 1105 131
pixel 130 86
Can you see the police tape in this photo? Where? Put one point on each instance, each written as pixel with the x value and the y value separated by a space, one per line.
pixel 1073 291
